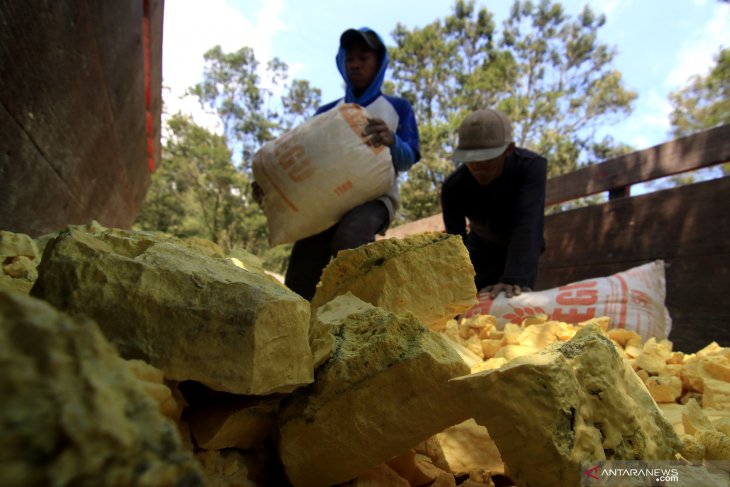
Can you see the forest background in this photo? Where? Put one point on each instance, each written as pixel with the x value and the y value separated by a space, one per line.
pixel 545 67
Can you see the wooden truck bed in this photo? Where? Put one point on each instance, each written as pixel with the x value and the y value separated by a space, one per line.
pixel 687 226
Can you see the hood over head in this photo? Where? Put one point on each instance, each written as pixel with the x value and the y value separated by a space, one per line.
pixel 372 39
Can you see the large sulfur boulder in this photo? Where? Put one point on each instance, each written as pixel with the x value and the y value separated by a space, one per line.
pixel 579 401
pixel 72 410
pixel 384 389
pixel 429 275
pixel 195 317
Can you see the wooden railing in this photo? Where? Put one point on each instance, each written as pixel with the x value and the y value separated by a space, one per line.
pixel 616 175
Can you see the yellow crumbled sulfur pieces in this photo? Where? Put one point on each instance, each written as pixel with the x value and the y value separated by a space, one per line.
pixel 698 383
pixel 692 448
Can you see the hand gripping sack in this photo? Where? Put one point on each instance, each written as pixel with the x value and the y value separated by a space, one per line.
pixel 314 174
pixel 632 299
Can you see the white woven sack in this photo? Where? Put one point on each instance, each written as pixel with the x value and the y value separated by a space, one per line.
pixel 632 299
pixel 317 172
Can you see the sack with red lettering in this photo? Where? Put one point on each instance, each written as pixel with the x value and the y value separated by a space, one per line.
pixel 632 299
pixel 314 174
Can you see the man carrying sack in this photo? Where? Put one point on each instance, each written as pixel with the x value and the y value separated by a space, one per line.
pixel 362 61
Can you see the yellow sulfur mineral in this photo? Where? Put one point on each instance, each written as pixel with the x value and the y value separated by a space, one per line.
pixel 429 275
pixel 664 389
pixel 578 400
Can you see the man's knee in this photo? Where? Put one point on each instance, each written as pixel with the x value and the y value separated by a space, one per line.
pixel 360 225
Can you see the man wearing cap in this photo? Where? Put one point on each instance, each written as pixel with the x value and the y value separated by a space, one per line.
pixel 500 190
pixel 362 61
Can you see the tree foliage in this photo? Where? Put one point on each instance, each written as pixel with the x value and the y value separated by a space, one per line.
pixel 444 69
pixel 547 71
pixel 203 186
pixel 198 191
pixel 198 178
pixel 246 104
pixel 231 88
pixel 703 103
pixel 565 85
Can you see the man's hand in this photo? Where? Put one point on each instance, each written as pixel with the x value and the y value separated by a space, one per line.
pixel 508 289
pixel 378 133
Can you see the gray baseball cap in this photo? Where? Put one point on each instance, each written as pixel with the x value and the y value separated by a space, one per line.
pixel 368 37
pixel 483 135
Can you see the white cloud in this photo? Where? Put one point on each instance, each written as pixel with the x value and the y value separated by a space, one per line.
pixel 648 124
pixel 192 27
pixel 696 55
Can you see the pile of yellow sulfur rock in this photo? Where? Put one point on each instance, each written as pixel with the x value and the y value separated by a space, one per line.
pixel 136 358
pixel 670 376
pixel 690 389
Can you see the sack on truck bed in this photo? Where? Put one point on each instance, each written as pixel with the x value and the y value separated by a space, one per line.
pixel 632 299
pixel 317 172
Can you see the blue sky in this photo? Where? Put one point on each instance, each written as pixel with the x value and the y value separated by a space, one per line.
pixel 660 43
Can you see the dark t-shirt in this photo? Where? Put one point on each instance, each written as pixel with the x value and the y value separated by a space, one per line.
pixel 508 212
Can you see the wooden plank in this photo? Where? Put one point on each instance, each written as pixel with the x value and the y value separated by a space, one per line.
pixel 704 149
pixel 697 306
pixel 63 87
pixel 626 229
pixel 25 176
pixel 694 333
pixel 687 227
pixel 50 91
pixel 692 152
pixel 157 8
pixel 683 221
pixel 118 40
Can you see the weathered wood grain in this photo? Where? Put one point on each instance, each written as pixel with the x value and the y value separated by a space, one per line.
pixel 73 113
pixel 696 151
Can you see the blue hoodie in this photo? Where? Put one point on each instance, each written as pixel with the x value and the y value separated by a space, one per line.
pixel 396 112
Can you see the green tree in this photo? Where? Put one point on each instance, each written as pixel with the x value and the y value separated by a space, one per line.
pixel 299 103
pixel 202 187
pixel 445 69
pixel 702 104
pixel 565 88
pixel 705 101
pixel 253 110
pixel 548 72
pixel 248 106
pixel 197 191
pixel 231 88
